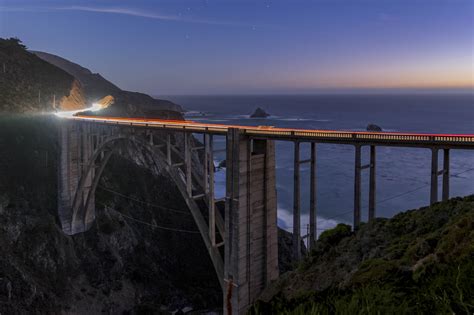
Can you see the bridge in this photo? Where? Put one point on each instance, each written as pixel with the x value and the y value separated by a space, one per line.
pixel 241 240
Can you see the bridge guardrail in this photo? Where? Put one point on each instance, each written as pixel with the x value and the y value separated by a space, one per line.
pixel 270 131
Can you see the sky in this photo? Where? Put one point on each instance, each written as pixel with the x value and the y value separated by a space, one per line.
pixel 256 47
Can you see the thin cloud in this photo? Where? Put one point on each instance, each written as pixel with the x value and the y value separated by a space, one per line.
pixel 130 12
pixel 123 11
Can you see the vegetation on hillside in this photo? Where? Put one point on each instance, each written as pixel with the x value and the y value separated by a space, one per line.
pixel 418 262
pixel 28 83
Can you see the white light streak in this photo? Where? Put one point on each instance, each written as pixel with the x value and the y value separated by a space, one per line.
pixel 69 114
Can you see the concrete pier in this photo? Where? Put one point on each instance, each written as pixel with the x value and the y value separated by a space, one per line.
pixel 435 173
pixel 434 176
pixel 251 251
pixel 357 189
pixel 296 204
pixel 446 175
pixel 372 184
pixel 312 198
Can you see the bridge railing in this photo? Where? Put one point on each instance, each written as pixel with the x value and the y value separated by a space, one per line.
pixel 289 134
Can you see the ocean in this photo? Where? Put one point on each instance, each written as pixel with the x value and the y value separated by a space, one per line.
pixel 403 174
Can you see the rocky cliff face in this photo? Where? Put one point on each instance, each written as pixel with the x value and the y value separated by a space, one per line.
pixel 30 84
pixel 75 100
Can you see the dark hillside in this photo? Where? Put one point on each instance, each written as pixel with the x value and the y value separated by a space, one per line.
pixel 121 264
pixel 94 84
pixel 418 262
pixel 126 103
pixel 30 84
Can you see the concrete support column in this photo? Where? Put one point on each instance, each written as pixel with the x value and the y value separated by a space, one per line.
pixel 206 166
pixel 446 174
pixel 168 149
pixel 296 204
pixel 372 184
pixel 312 199
pixel 65 191
pixel 434 176
pixel 187 164
pixel 87 151
pixel 150 134
pixel 251 238
pixel 209 186
pixel 357 188
pixel 75 150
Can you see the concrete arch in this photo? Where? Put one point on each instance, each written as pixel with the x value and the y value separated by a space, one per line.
pixel 106 149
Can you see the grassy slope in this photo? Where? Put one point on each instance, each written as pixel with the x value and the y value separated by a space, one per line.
pixel 420 261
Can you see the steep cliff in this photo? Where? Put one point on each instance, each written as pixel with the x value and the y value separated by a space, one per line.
pixel 30 84
pixel 75 100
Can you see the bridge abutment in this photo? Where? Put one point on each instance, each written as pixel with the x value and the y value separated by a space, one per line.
pixel 251 251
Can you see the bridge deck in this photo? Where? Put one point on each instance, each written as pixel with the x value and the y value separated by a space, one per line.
pixel 404 139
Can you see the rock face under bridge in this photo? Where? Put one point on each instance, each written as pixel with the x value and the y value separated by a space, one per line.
pixel 118 266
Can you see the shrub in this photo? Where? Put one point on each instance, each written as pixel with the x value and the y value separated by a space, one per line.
pixel 335 235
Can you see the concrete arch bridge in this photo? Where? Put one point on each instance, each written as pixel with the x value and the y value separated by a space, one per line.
pixel 242 243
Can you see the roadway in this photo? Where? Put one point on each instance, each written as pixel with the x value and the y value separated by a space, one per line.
pixel 403 139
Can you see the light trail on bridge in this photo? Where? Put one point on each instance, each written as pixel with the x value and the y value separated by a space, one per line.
pixel 331 136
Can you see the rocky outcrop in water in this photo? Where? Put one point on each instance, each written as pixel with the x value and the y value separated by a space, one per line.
pixel 259 113
pixel 222 164
pixel 374 127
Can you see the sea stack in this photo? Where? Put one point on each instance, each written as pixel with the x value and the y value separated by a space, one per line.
pixel 259 113
pixel 374 127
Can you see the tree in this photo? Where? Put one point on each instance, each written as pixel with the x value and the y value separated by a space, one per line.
pixel 12 42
